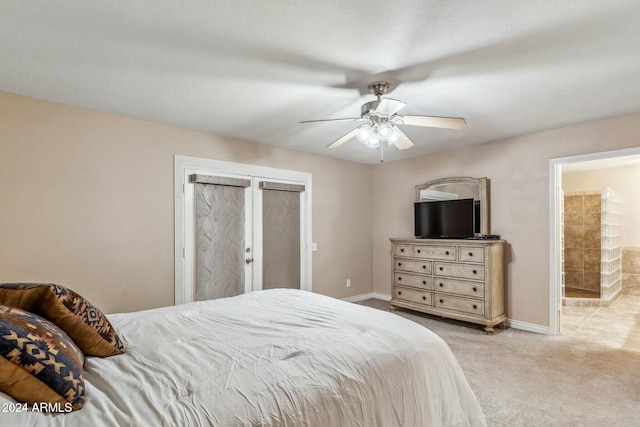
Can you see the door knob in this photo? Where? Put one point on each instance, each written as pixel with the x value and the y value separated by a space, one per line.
pixel 248 260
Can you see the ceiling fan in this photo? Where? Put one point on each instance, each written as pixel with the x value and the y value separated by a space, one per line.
pixel 382 120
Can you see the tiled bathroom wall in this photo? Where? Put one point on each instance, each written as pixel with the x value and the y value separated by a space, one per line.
pixel 631 270
pixel 582 240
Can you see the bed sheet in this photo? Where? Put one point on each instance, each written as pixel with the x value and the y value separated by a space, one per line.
pixel 278 357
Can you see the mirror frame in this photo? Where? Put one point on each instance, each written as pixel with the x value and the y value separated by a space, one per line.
pixel 482 184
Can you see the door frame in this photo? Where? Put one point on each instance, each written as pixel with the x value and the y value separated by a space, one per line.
pixel 186 165
pixel 555 249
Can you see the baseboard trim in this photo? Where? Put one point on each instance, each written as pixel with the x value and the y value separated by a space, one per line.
pixel 384 297
pixel 368 295
pixel 530 327
pixel 361 297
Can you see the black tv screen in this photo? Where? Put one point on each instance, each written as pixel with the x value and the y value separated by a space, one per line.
pixel 444 219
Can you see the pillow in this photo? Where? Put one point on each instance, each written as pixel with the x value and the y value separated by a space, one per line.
pixel 39 363
pixel 87 326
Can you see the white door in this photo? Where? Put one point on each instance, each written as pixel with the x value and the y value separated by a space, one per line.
pixel 242 231
pixel 221 228
pixel 278 233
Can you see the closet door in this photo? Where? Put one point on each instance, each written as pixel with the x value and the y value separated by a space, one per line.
pixel 281 206
pixel 221 241
pixel 239 228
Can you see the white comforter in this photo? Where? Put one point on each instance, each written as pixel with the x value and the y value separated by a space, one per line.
pixel 271 358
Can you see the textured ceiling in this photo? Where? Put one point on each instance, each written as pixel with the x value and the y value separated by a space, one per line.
pixel 253 70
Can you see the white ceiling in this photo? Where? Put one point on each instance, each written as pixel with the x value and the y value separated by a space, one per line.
pixel 253 69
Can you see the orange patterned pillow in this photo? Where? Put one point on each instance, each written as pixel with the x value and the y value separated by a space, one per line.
pixel 87 326
pixel 39 363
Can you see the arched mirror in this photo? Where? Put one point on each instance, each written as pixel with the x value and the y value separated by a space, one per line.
pixel 460 187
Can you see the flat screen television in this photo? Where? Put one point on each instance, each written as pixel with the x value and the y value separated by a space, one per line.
pixel 445 219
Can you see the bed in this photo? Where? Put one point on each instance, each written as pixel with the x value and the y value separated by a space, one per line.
pixel 278 357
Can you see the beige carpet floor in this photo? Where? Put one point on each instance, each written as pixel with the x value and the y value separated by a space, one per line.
pixel 533 380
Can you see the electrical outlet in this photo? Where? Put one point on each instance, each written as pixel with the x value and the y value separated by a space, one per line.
pixel 348 283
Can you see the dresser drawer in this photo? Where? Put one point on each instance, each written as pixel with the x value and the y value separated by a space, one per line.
pixel 452 278
pixel 412 295
pixel 415 266
pixel 464 271
pixel 470 254
pixel 459 287
pixel 434 252
pixel 414 280
pixel 402 250
pixel 459 304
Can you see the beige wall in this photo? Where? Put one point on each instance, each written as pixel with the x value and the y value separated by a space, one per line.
pixel 87 202
pixel 518 169
pixel 626 181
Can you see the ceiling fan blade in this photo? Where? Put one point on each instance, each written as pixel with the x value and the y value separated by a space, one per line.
pixel 434 122
pixel 344 138
pixel 350 119
pixel 402 142
pixel 388 106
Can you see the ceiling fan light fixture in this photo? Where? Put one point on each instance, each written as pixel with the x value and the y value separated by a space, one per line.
pixel 373 135
pixel 368 136
pixel 397 120
pixel 385 130
pixel 383 123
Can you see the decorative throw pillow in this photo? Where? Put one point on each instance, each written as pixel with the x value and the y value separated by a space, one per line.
pixel 39 363
pixel 87 326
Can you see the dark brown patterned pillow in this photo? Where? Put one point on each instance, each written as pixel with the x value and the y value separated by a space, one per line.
pixel 87 326
pixel 39 363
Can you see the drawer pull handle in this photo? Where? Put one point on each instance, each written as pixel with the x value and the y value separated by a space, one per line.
pixel 441 285
pixel 424 267
pixel 399 264
pixel 475 289
pixel 441 268
pixel 399 292
pixel 475 307
pixel 418 250
pixel 441 301
pixel 446 253
pixel 399 278
pixel 401 249
pixel 424 282
pixel 475 271
pixel 470 253
pixel 424 298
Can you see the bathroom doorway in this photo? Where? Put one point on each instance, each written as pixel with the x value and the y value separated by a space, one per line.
pixel 595 235
pixel 592 235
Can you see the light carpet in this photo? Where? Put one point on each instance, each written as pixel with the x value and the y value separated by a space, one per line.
pixel 527 379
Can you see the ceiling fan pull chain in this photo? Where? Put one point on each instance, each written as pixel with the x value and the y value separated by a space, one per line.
pixel 381 151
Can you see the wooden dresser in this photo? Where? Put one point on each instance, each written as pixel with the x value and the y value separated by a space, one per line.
pixel 457 279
